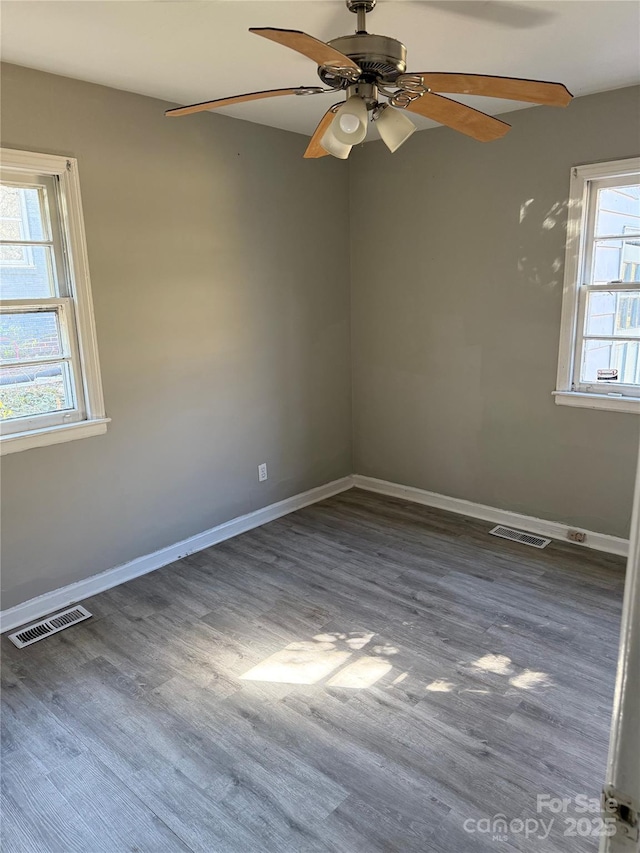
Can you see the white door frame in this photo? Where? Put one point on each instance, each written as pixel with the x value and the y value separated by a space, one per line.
pixel 623 770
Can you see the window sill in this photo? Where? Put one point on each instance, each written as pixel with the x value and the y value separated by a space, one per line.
pixel 583 400
pixel 52 435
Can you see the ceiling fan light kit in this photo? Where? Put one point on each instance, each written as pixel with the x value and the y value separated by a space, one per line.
pixel 369 67
pixel 350 123
pixel 393 126
pixel 333 146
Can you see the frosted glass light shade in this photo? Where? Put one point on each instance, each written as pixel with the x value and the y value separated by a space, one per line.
pixel 334 146
pixel 350 124
pixel 394 127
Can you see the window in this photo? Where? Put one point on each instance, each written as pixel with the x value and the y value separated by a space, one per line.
pixel 50 387
pixel 599 364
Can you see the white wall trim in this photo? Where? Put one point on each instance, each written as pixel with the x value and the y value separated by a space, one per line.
pixel 38 607
pixel 583 400
pixel 623 769
pixel 35 608
pixel 550 529
pixel 18 441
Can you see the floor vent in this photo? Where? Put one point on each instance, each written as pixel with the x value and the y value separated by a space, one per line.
pixel 520 536
pixel 46 627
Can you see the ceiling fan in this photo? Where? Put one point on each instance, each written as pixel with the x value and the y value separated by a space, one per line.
pixel 370 67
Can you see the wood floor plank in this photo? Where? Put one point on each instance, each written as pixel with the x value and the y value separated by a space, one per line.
pixel 36 818
pixel 115 813
pixel 363 675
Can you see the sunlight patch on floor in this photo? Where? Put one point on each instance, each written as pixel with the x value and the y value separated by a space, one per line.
pixel 352 661
pixel 440 686
pixel 354 640
pixel 530 679
pixel 385 650
pixel 363 672
pixel 500 664
pixel 299 664
pixel 311 661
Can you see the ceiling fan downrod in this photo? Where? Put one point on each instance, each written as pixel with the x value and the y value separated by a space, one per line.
pixel 360 8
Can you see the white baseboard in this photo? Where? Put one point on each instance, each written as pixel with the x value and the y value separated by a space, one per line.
pixel 549 529
pixel 38 607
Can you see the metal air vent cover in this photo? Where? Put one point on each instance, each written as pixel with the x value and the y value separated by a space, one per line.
pixel 520 536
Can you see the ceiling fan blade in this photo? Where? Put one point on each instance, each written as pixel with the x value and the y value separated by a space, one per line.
pixel 314 149
pixel 479 125
pixel 321 53
pixel 511 88
pixel 239 99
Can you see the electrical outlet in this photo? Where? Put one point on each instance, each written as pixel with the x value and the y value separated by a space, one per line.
pixel 262 472
pixel 576 536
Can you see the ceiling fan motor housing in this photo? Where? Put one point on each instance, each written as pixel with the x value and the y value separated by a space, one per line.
pixel 381 58
pixel 361 5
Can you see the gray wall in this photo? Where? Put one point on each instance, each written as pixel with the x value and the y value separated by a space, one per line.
pixel 220 271
pixel 219 264
pixel 456 317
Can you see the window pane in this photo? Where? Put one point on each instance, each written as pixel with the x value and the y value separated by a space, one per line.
pixel 613 314
pixel 616 260
pixel 26 272
pixel 29 335
pixel 21 213
pixel 618 210
pixel 34 390
pixel 622 357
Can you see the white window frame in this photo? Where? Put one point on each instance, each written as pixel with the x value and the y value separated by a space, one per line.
pixel 613 397
pixel 76 312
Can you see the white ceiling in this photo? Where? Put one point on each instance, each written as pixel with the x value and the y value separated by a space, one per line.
pixel 185 51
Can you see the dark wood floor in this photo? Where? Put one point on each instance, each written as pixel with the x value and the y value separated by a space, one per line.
pixel 455 676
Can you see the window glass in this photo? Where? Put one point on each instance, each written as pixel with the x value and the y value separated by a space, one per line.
pixel 37 373
pixel 611 362
pixel 616 260
pixel 35 390
pixel 612 260
pixel 29 336
pixel 618 211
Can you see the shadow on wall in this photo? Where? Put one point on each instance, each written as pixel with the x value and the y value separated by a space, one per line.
pixel 542 247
